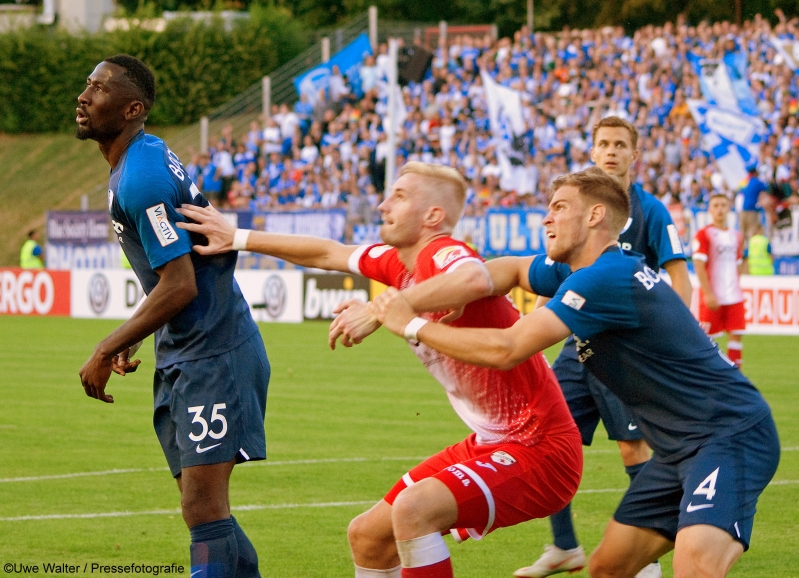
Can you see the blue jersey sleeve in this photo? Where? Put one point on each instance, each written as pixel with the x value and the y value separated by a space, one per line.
pixel 150 198
pixel 663 238
pixel 545 275
pixel 595 299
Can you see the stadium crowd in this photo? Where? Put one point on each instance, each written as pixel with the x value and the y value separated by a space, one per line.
pixel 331 152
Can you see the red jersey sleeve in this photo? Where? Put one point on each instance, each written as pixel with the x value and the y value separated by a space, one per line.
pixel 701 245
pixel 380 263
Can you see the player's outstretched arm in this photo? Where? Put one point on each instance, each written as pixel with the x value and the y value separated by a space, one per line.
pixel 497 348
pixel 175 289
pixel 301 250
pixel 452 289
pixel 509 272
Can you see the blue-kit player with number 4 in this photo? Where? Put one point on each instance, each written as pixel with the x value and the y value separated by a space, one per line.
pixel 714 441
pixel 211 370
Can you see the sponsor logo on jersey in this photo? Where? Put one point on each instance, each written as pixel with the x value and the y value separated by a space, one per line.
pixel 375 252
pixel 163 230
pixel 110 199
pixel 503 458
pixel 674 239
pixel 573 300
pixel 99 292
pixel 194 191
pixel 449 255
pixel 631 426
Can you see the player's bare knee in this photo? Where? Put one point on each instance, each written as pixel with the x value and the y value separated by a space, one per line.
pixel 601 566
pixel 634 452
pixel 407 513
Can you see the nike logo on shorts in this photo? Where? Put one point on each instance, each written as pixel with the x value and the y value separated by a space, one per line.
pixel 691 508
pixel 202 450
pixel 632 427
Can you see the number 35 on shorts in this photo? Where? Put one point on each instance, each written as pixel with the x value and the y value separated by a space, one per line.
pixel 207 430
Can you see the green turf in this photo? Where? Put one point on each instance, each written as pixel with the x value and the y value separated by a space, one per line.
pixel 374 402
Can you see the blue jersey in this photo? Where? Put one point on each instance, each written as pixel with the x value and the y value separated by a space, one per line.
pixel 146 186
pixel 650 230
pixel 637 336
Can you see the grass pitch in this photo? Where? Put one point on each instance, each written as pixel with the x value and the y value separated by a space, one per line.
pixel 82 482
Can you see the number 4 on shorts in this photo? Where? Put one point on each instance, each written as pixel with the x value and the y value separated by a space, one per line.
pixel 708 486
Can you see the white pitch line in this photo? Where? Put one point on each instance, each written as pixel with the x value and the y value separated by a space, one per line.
pixel 253 507
pixel 260 464
pixel 177 511
pixel 251 464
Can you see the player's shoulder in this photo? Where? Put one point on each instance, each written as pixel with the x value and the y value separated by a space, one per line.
pixel 443 252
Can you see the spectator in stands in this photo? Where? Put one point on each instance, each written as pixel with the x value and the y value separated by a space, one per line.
pixel 31 255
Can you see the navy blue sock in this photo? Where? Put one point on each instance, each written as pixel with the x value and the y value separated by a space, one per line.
pixel 213 550
pixel 632 471
pixel 247 566
pixel 563 529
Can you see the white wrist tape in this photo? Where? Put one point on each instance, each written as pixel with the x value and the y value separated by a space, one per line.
pixel 240 239
pixel 414 325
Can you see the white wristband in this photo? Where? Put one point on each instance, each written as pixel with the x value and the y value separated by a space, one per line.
pixel 240 239
pixel 414 325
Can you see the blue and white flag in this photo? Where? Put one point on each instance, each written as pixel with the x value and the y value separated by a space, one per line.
pixel 349 60
pixel 507 127
pixel 788 50
pixel 731 137
pixel 724 82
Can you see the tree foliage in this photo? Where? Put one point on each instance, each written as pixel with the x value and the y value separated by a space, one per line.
pixel 197 66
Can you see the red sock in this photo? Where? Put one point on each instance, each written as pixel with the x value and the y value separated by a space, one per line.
pixel 441 569
pixel 735 352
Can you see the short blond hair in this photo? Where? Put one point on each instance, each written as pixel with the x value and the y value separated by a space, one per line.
pixel 444 184
pixel 601 188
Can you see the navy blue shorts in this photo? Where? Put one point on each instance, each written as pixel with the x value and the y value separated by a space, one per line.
pixel 589 400
pixel 717 485
pixel 211 410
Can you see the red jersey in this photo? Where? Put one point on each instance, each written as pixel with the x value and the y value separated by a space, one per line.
pixel 722 252
pixel 519 405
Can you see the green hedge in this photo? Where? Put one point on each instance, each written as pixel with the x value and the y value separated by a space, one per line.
pixel 197 66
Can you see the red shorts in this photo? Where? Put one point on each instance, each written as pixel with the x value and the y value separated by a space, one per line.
pixel 501 485
pixel 729 318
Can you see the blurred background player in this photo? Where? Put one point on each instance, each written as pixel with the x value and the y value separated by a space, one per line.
pixel 715 444
pixel 31 256
pixel 718 257
pixel 649 231
pixel 758 259
pixel 523 460
pixel 207 417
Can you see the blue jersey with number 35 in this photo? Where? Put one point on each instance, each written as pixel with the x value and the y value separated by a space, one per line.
pixel 146 187
pixel 635 334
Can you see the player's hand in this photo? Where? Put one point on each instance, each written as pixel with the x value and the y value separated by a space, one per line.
pixel 393 311
pixel 711 302
pixel 211 223
pixel 121 363
pixel 94 376
pixel 355 322
pixel 452 315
